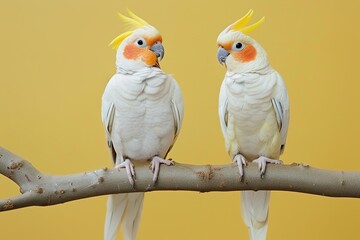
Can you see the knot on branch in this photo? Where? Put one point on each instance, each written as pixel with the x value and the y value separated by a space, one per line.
pixel 15 165
pixel 8 205
pixel 208 173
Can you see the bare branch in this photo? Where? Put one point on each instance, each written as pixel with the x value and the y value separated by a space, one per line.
pixel 39 189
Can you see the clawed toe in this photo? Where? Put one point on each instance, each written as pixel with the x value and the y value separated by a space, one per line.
pixel 262 161
pixel 155 166
pixel 240 162
pixel 129 167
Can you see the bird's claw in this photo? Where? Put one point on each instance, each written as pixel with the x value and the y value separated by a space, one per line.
pixel 155 166
pixel 129 167
pixel 262 161
pixel 240 162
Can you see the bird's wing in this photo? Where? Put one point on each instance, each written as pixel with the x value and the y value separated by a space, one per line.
pixel 177 106
pixel 108 114
pixel 223 109
pixel 108 122
pixel 281 106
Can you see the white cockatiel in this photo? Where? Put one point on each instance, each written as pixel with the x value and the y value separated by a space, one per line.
pixel 142 111
pixel 254 113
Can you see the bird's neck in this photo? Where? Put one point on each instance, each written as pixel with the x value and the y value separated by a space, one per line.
pixel 140 71
pixel 264 70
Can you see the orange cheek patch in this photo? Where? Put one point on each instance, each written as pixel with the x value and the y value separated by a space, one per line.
pixel 246 55
pixel 132 52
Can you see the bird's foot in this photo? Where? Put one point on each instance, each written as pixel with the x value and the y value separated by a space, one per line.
pixel 241 163
pixel 129 167
pixel 262 161
pixel 155 166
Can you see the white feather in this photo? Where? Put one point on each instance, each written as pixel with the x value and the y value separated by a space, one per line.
pixel 250 124
pixel 126 207
pixel 223 105
pixel 281 99
pixel 131 220
pixel 115 208
pixel 142 113
pixel 254 209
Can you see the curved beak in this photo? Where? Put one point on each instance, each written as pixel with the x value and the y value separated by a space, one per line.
pixel 158 49
pixel 222 54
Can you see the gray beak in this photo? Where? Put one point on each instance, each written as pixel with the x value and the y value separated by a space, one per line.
pixel 158 49
pixel 222 54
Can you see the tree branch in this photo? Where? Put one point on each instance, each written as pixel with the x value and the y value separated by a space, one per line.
pixel 39 189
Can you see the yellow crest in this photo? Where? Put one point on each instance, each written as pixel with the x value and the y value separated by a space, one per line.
pixel 133 23
pixel 240 25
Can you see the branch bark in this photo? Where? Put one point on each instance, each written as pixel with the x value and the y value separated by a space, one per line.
pixel 39 189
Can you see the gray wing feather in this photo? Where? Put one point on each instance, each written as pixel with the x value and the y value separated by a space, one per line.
pixel 282 110
pixel 108 120
pixel 223 109
pixel 279 112
pixel 177 107
pixel 177 119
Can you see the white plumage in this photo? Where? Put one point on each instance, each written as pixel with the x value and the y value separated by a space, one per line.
pixel 249 120
pixel 143 123
pixel 254 115
pixel 251 128
pixel 142 111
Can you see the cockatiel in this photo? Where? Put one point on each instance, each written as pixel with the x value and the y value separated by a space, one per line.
pixel 142 111
pixel 254 113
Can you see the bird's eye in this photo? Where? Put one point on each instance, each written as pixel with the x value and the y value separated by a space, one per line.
pixel 140 42
pixel 237 46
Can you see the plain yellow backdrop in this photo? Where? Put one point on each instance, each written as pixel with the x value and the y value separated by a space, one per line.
pixel 55 63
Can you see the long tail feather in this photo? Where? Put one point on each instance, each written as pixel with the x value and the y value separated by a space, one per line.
pixel 255 208
pixel 123 209
pixel 131 221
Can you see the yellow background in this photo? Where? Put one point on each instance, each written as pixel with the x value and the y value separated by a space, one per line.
pixel 55 63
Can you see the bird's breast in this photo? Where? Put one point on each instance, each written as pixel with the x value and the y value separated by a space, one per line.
pixel 252 126
pixel 144 123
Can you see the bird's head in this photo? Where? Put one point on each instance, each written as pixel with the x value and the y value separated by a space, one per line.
pixel 239 52
pixel 141 47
